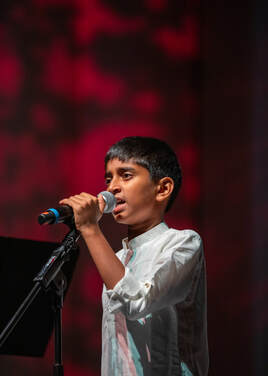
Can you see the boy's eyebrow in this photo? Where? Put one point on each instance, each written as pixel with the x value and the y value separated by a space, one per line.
pixel 120 170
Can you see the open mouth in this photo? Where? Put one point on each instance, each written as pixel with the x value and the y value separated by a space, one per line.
pixel 119 205
pixel 120 201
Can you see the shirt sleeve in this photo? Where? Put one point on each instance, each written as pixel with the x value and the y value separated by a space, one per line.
pixel 171 279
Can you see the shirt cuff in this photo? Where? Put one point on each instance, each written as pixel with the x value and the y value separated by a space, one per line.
pixel 126 290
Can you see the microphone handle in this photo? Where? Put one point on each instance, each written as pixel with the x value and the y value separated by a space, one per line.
pixel 55 215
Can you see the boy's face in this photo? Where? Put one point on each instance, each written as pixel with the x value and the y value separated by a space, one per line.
pixel 135 192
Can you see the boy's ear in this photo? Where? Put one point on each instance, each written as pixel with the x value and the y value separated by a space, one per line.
pixel 165 187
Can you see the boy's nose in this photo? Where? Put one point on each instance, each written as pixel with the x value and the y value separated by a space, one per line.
pixel 114 187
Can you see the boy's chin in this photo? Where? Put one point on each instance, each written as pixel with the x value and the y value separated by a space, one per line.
pixel 121 219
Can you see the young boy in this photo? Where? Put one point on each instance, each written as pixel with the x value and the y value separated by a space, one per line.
pixel 154 298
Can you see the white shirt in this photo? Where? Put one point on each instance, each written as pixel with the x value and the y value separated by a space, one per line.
pixel 154 319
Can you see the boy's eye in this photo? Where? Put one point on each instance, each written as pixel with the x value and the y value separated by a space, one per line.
pixel 126 175
pixel 108 181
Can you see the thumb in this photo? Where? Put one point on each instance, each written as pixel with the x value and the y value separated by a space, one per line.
pixel 101 203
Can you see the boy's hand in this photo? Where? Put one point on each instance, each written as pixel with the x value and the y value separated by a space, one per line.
pixel 87 209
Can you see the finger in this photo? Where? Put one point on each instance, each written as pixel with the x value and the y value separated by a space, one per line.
pixel 101 203
pixel 71 201
pixel 64 201
pixel 82 196
pixel 86 195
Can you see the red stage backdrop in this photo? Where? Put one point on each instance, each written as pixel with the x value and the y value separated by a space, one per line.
pixel 76 76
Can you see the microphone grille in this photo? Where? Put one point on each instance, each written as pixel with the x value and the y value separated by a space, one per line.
pixel 110 201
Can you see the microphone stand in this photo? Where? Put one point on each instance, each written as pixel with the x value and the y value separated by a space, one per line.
pixel 50 272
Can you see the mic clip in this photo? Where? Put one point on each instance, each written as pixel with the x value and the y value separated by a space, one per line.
pixel 58 258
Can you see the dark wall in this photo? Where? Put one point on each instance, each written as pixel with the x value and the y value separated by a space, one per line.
pixel 260 189
pixel 234 184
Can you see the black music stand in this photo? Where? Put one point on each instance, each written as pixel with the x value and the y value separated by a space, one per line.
pixel 22 262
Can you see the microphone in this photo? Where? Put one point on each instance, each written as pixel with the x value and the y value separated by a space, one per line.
pixel 64 213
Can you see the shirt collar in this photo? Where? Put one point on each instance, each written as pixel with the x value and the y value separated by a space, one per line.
pixel 145 237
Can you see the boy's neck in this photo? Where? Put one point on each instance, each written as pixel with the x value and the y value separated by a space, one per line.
pixel 141 228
